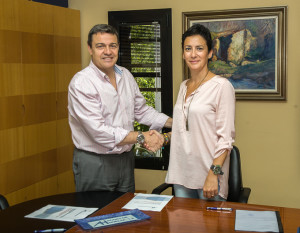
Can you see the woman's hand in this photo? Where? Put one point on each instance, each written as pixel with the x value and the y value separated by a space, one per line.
pixel 210 188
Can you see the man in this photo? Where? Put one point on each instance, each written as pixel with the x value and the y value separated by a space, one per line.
pixel 104 101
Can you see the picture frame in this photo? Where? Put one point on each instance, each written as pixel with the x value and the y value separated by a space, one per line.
pixel 249 48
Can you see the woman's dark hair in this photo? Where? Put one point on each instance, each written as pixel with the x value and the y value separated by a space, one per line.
pixel 102 28
pixel 198 29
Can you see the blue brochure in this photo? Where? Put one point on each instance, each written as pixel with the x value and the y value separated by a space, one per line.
pixel 114 219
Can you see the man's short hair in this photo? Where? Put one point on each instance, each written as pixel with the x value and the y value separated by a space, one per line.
pixel 102 28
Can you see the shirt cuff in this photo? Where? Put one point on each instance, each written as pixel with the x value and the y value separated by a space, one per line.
pixel 120 134
pixel 159 122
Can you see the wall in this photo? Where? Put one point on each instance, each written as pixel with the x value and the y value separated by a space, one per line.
pixel 267 133
pixel 39 53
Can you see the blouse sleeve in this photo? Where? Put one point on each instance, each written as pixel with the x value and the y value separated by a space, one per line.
pixel 225 116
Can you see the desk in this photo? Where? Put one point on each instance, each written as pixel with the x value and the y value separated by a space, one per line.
pixel 190 215
pixel 12 219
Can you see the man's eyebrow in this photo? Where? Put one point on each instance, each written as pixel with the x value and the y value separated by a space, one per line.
pixel 105 44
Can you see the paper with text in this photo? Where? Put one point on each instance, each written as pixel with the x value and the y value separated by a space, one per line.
pixel 259 221
pixel 61 213
pixel 152 202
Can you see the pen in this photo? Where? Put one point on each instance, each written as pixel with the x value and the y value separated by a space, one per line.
pixel 218 208
pixel 50 230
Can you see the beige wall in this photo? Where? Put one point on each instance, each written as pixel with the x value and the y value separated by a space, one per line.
pixel 267 132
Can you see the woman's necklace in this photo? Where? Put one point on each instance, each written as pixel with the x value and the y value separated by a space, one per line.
pixel 188 110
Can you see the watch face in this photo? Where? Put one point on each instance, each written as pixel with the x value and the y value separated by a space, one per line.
pixel 140 138
pixel 217 170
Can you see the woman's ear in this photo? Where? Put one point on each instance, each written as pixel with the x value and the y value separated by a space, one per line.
pixel 210 54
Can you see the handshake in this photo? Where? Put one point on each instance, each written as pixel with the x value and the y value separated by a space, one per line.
pixel 154 140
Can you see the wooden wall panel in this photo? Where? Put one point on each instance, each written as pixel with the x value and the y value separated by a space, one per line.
pixel 67 50
pixel 9 14
pixel 12 112
pixel 36 17
pixel 39 108
pixel 39 54
pixel 37 48
pixel 66 182
pixel 63 133
pixel 66 22
pixel 11 144
pixel 64 156
pixel 40 189
pixel 39 78
pixel 39 138
pixel 11 79
pixel 27 171
pixel 10 46
pixel 64 74
pixel 62 103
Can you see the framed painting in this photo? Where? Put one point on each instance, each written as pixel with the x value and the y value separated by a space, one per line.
pixel 249 48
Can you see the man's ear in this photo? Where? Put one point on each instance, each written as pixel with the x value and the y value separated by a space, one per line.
pixel 90 50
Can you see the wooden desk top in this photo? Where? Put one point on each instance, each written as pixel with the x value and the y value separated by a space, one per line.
pixel 190 215
pixel 12 219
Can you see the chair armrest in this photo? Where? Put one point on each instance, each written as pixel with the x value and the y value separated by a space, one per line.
pixel 244 195
pixel 161 188
pixel 3 203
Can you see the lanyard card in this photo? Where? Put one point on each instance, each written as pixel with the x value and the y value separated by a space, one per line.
pixel 114 219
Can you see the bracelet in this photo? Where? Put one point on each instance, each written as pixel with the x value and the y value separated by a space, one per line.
pixel 167 139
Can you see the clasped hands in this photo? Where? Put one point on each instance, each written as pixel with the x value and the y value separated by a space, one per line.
pixel 153 140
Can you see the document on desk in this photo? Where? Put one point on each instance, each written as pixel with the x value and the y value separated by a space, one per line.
pixel 259 221
pixel 152 202
pixel 61 213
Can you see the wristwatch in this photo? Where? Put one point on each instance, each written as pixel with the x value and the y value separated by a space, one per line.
pixel 217 169
pixel 140 138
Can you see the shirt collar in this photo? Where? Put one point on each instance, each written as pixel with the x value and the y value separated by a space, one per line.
pixel 117 69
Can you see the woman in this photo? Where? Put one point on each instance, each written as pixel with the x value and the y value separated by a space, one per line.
pixel 203 124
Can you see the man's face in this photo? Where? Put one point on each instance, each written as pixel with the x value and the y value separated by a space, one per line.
pixel 104 51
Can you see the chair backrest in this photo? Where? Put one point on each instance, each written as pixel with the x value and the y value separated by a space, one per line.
pixel 3 203
pixel 235 182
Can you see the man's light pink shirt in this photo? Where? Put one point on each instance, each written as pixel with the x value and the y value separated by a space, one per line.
pixel 100 116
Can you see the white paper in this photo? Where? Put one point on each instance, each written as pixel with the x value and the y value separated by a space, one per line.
pixel 61 213
pixel 152 202
pixel 260 221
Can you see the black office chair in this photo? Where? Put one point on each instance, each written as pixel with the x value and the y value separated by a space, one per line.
pixel 3 203
pixel 236 192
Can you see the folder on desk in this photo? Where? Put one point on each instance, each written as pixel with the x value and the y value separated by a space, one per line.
pixel 109 220
pixel 259 221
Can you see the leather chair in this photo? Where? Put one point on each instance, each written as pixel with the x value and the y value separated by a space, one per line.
pixel 3 203
pixel 237 192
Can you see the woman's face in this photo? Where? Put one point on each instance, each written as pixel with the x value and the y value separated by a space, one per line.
pixel 195 52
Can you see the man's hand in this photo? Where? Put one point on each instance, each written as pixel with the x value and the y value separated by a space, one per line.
pixel 153 140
